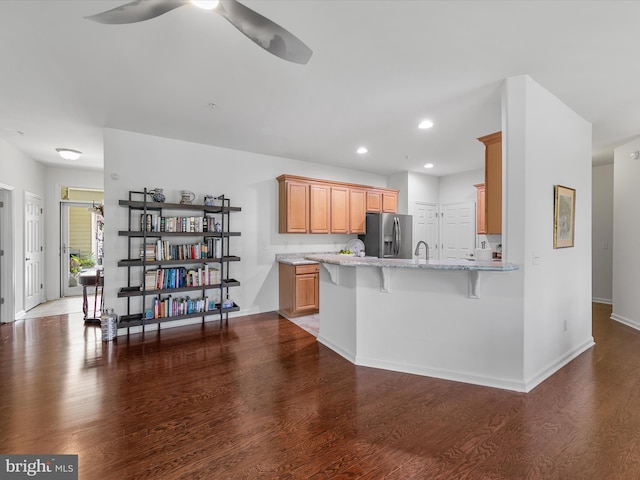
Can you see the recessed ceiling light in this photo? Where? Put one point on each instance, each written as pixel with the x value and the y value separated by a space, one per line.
pixel 205 4
pixel 428 165
pixel 424 124
pixel 362 150
pixel 68 154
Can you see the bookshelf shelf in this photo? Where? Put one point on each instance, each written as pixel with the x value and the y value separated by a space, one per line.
pixel 157 258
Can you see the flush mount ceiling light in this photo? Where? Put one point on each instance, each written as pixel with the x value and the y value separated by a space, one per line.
pixel 362 150
pixel 68 154
pixel 424 124
pixel 428 165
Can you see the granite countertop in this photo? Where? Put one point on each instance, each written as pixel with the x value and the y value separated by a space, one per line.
pixel 295 258
pixel 351 261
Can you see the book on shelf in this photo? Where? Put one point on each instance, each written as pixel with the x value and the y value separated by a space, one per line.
pixel 173 307
pixel 148 252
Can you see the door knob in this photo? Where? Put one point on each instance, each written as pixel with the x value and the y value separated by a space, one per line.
pixel 27 259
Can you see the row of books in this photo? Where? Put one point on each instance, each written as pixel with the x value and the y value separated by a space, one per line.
pixel 152 222
pixel 173 307
pixel 180 277
pixel 163 250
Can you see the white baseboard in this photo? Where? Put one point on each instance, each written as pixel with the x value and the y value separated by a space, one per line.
pixel 20 314
pixel 545 373
pixel 486 381
pixel 606 301
pixel 339 350
pixel 625 321
pixel 502 383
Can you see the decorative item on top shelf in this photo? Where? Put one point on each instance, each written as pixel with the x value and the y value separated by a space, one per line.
pixel 157 195
pixel 211 201
pixel 187 197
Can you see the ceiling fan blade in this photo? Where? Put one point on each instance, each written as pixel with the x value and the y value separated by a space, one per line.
pixel 269 35
pixel 137 11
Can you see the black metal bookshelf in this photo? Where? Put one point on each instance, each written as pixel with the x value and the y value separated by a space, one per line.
pixel 137 266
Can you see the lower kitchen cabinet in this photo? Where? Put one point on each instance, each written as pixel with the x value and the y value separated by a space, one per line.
pixel 299 289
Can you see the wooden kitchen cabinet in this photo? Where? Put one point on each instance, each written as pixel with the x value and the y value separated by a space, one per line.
pixel 374 201
pixel 357 210
pixel 309 205
pixel 390 202
pixel 293 207
pixel 339 210
pixel 493 182
pixel 299 289
pixel 481 210
pixel 320 208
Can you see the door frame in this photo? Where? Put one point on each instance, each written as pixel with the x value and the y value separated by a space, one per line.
pixel 7 261
pixel 64 242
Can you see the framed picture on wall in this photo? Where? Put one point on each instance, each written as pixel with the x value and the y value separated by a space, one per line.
pixel 564 216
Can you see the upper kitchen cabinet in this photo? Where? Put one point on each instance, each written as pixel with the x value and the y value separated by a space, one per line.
pixel 374 201
pixel 309 205
pixel 320 203
pixel 481 214
pixel 293 206
pixel 390 202
pixel 382 201
pixel 339 209
pixel 493 182
pixel 357 210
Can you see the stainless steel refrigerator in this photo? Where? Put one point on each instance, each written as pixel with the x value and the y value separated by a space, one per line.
pixel 389 235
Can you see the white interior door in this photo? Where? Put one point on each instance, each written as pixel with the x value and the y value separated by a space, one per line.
pixel 458 230
pixel 425 227
pixel 33 251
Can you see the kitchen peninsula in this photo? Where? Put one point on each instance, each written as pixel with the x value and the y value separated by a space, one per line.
pixel 428 318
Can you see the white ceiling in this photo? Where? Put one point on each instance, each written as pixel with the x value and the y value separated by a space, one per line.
pixel 378 68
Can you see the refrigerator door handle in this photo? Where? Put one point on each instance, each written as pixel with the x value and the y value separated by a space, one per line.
pixel 398 236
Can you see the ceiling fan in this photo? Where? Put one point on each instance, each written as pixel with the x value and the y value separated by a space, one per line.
pixel 269 35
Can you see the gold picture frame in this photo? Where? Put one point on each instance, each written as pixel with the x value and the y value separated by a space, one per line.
pixel 564 217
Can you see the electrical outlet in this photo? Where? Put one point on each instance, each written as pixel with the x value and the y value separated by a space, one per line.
pixel 605 245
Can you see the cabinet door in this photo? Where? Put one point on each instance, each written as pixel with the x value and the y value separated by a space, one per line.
pixel 306 292
pixel 390 202
pixel 339 210
pixel 481 210
pixel 374 201
pixel 294 208
pixel 493 181
pixel 357 210
pixel 319 221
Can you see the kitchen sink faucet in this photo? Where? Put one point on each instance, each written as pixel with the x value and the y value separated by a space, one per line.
pixel 426 246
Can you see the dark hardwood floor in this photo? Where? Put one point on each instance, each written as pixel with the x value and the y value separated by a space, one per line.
pixel 261 399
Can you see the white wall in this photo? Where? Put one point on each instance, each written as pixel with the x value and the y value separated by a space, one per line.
pixel 248 179
pixel 460 188
pixel 399 181
pixel 556 291
pixel 58 177
pixel 602 233
pixel 626 231
pixel 414 187
pixel 22 174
